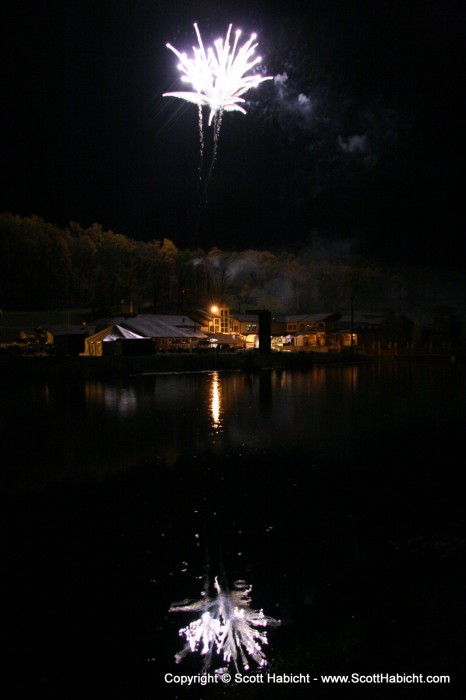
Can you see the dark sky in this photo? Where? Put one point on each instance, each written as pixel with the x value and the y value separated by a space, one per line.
pixel 354 146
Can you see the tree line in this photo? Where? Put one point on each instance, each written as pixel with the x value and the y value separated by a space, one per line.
pixel 43 265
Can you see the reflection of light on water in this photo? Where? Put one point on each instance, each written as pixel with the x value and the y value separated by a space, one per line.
pixel 123 400
pixel 216 401
pixel 115 399
pixel 227 626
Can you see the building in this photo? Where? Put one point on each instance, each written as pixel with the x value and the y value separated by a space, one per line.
pixel 215 319
pixel 289 332
pixel 165 332
pixel 222 329
pixel 363 325
pixel 63 340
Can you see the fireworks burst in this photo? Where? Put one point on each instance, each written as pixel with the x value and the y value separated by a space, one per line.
pixel 219 75
pixel 227 626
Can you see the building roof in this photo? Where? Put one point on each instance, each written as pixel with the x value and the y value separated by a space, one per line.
pixel 161 326
pixel 245 318
pixel 311 318
pixel 361 319
pixel 67 330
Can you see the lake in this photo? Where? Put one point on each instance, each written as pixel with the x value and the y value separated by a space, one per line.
pixel 335 493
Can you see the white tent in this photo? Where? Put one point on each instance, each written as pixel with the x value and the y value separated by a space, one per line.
pixel 93 344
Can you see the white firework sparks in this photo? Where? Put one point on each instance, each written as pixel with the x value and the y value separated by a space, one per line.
pixel 219 75
pixel 227 627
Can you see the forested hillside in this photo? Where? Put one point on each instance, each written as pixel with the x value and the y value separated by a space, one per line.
pixel 43 265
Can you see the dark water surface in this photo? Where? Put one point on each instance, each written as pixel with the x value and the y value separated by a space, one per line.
pixel 337 493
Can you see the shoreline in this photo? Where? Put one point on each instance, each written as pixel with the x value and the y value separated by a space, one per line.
pixel 78 368
pixel 68 367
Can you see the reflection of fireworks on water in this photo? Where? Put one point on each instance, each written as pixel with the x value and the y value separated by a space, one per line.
pixel 227 627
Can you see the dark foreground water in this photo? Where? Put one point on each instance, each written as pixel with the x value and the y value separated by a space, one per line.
pixel 337 493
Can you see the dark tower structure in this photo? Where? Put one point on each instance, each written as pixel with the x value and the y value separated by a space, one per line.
pixel 265 329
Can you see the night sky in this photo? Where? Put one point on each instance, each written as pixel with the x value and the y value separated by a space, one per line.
pixel 354 146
